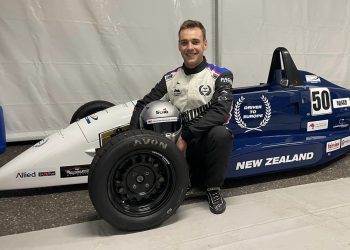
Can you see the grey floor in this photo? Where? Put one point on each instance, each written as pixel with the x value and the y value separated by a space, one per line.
pixel 36 209
pixel 311 216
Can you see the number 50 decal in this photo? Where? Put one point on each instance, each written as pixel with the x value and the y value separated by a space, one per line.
pixel 320 101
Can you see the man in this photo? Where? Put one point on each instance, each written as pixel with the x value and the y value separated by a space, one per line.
pixel 202 93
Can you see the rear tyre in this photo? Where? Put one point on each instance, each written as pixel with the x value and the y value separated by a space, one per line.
pixel 138 180
pixel 90 108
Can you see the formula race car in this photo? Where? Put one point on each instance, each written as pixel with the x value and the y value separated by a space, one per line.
pixel 138 178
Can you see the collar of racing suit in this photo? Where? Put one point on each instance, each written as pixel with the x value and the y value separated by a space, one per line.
pixel 196 69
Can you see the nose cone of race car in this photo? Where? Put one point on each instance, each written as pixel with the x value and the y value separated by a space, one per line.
pixel 41 165
pixel 64 157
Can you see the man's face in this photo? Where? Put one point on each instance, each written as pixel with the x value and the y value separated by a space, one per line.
pixel 192 46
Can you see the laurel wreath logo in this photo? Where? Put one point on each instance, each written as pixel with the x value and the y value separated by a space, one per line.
pixel 242 124
pixel 237 113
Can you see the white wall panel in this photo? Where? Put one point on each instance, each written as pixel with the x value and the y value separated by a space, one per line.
pixel 316 32
pixel 56 55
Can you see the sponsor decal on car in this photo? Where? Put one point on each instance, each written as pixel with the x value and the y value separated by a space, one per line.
pixel 337 144
pixel 26 174
pixel 341 124
pixel 94 117
pixel 258 114
pixel 74 171
pixel 332 146
pixel 42 142
pixel 47 173
pixel 89 118
pixel 105 136
pixel 312 78
pixel 276 160
pixel 33 174
pixel 345 142
pixel 317 125
pixel 341 103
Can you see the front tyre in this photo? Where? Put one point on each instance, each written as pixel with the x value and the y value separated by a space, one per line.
pixel 138 180
pixel 90 108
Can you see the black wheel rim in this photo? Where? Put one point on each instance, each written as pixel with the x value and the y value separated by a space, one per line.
pixel 141 183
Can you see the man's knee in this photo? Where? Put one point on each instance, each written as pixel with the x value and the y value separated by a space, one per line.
pixel 220 134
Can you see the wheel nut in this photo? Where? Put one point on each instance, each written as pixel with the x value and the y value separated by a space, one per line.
pixel 140 178
pixel 134 186
pixel 146 185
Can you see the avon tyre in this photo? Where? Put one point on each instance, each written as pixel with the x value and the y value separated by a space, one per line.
pixel 138 180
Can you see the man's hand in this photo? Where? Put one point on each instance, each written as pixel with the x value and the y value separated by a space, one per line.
pixel 182 145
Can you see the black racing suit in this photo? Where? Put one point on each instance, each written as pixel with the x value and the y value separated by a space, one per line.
pixel 204 97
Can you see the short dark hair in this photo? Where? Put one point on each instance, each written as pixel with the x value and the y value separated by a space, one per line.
pixel 190 24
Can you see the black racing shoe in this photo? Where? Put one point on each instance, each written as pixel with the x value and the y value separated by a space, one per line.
pixel 216 202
